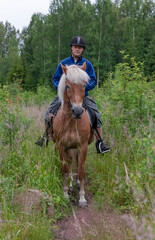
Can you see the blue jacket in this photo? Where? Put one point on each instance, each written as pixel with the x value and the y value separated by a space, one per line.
pixel 89 70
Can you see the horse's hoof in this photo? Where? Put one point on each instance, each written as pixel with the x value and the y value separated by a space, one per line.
pixel 78 184
pixel 66 196
pixel 83 204
pixel 71 188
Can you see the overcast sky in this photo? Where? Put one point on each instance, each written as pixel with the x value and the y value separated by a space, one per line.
pixel 19 12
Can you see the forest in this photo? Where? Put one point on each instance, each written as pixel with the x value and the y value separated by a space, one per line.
pixel 108 28
pixel 120 43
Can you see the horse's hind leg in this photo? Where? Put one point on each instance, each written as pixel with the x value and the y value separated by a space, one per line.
pixel 65 167
pixel 65 185
pixel 71 181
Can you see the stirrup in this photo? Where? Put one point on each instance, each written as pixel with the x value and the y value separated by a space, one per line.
pixel 101 147
pixel 42 141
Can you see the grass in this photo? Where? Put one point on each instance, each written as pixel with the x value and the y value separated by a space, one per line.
pixel 27 166
pixel 23 226
pixel 122 178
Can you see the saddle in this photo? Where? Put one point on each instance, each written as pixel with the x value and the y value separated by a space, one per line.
pixel 92 117
pixel 91 114
pixel 49 133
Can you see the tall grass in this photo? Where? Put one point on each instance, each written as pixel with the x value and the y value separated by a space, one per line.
pixel 26 166
pixel 127 116
pixel 123 178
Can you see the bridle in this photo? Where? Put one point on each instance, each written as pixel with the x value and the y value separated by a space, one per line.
pixel 68 102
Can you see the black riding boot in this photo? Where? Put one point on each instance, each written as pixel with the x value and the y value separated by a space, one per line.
pixel 44 140
pixel 101 147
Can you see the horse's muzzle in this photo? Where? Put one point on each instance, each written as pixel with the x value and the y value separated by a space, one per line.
pixel 77 112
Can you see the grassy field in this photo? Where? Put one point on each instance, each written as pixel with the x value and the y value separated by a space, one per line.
pixel 123 178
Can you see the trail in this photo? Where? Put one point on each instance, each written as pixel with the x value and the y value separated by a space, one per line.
pixel 92 223
pixel 89 223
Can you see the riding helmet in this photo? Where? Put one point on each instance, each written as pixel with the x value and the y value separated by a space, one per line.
pixel 78 41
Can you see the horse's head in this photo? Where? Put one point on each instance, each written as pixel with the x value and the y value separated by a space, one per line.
pixel 71 88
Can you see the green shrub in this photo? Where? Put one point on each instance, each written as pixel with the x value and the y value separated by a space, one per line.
pixel 11 118
pixel 43 94
pixel 126 105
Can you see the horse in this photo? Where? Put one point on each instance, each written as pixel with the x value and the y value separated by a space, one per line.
pixel 71 127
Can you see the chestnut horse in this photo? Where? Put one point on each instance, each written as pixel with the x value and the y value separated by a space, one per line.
pixel 71 126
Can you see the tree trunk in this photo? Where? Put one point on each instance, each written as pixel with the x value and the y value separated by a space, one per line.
pixel 59 40
pixel 99 51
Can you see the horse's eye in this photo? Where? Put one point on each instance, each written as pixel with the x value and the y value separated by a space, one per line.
pixel 67 87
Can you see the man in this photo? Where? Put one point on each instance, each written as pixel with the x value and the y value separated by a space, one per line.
pixel 77 46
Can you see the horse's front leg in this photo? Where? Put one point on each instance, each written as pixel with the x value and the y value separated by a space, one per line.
pixel 81 174
pixel 82 200
pixel 65 167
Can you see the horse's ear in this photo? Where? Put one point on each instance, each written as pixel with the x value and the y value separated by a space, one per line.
pixel 64 68
pixel 83 67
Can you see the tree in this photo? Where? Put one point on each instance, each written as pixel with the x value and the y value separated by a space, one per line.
pixel 10 65
pixel 33 52
pixel 149 64
pixel 102 37
pixel 107 26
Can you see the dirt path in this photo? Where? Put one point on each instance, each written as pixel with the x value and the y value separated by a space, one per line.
pixel 92 224
pixel 87 223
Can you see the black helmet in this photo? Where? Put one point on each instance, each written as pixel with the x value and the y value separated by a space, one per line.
pixel 78 41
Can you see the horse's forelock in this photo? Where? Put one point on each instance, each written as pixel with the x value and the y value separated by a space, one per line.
pixel 74 74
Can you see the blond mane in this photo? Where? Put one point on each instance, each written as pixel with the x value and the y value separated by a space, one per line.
pixel 74 74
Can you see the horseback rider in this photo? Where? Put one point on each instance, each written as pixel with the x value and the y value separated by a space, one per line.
pixel 77 46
